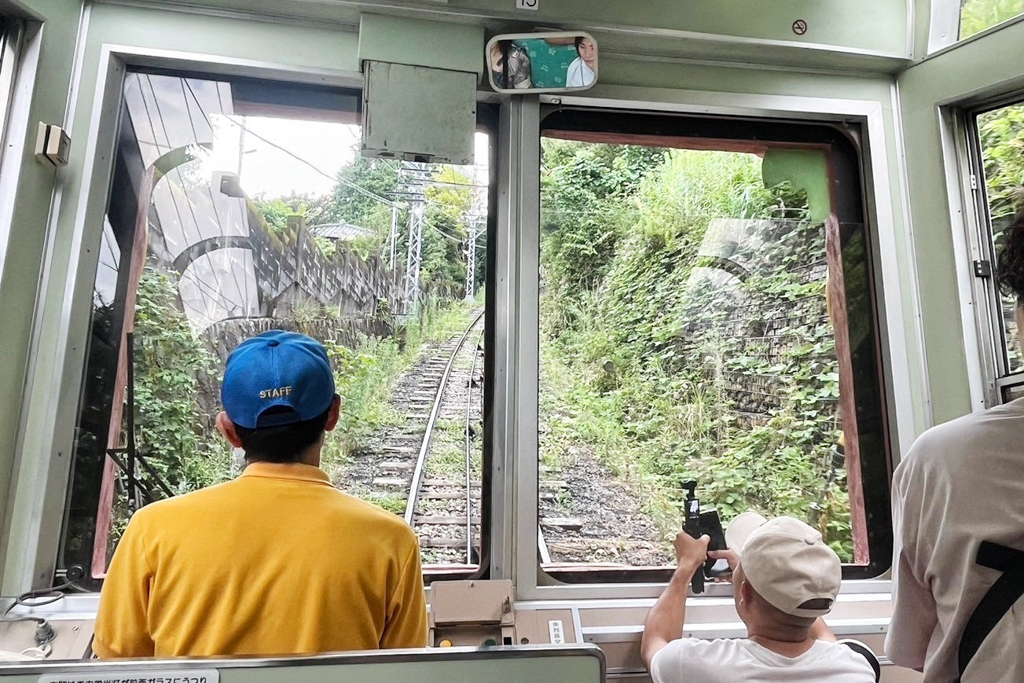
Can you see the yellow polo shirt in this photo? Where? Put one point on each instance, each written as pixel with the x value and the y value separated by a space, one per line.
pixel 275 562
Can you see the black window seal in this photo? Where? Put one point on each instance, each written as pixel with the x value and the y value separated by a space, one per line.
pixel 487 122
pixel 847 168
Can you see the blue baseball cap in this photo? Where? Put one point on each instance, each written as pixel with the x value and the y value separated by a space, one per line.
pixel 277 369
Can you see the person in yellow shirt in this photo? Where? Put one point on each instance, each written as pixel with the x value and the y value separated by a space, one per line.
pixel 277 561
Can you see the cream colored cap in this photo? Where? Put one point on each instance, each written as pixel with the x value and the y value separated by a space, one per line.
pixel 787 563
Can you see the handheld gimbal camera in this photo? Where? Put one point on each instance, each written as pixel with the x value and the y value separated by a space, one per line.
pixel 697 524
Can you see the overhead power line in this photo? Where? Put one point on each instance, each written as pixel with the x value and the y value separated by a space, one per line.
pixel 339 179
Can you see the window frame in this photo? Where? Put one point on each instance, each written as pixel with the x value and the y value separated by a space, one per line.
pixel 959 22
pixel 845 167
pixel 864 120
pixel 944 27
pixel 11 34
pixel 997 378
pixel 487 121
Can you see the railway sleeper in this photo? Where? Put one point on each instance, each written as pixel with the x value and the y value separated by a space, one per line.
pixel 435 542
pixel 399 449
pixel 448 483
pixel 567 523
pixel 397 465
pixel 447 495
pixel 441 520
pixel 389 482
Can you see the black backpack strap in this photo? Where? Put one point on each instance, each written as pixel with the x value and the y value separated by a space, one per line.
pixel 999 599
pixel 865 652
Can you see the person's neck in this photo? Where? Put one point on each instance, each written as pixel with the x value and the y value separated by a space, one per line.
pixel 312 459
pixel 785 644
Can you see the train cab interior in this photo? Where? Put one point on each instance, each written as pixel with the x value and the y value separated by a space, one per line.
pixel 576 266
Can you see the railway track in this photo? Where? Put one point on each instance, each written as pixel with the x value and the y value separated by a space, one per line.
pixel 443 504
pixel 428 468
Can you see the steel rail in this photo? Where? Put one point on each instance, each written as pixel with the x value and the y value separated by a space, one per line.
pixel 428 435
pixel 469 452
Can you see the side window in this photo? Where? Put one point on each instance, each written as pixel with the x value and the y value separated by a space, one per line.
pixel 998 141
pixel 10 39
pixel 978 15
pixel 241 206
pixel 707 312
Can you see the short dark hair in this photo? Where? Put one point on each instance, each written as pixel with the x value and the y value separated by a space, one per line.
pixel 284 443
pixel 1011 259
pixel 579 41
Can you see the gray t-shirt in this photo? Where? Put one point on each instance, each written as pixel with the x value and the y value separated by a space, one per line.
pixel 962 483
pixel 744 661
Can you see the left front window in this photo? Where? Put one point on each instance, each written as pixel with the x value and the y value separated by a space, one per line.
pixel 239 206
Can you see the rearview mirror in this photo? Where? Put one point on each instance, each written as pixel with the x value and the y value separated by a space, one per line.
pixel 542 62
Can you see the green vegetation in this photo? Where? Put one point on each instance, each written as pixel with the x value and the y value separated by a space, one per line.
pixel 175 375
pixel 177 384
pixel 978 15
pixel 656 356
pixel 365 376
pixel 447 218
pixel 1002 145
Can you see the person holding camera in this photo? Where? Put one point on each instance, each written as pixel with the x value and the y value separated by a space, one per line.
pixel 785 579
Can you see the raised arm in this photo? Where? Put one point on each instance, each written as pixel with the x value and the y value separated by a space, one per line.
pixel 665 620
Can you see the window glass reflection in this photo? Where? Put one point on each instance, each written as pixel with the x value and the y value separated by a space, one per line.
pixel 240 207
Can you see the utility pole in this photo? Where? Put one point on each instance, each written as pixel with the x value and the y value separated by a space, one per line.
pixel 393 236
pixel 241 147
pixel 471 264
pixel 414 258
pixel 412 184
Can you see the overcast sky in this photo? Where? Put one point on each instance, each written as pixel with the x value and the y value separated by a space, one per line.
pixel 271 172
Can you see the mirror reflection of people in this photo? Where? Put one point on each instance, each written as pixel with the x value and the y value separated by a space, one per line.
pixel 517 75
pixel 583 70
pixel 277 561
pixel 958 534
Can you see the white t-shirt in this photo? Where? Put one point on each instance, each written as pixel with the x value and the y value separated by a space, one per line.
pixel 962 483
pixel 744 661
pixel 578 74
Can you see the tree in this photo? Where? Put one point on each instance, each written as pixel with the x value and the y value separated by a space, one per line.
pixel 978 15
pixel 446 237
pixel 274 211
pixel 1002 144
pixel 587 207
pixel 376 176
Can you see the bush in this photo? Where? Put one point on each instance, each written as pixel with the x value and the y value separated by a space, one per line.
pixel 642 348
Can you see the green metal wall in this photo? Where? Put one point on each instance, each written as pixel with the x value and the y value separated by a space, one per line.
pixel 987 66
pixel 37 482
pixel 868 25
pixel 50 53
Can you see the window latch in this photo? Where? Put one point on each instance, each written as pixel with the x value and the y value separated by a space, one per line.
pixel 983 269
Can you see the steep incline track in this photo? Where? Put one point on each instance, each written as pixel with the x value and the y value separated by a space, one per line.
pixel 444 494
pixel 428 466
